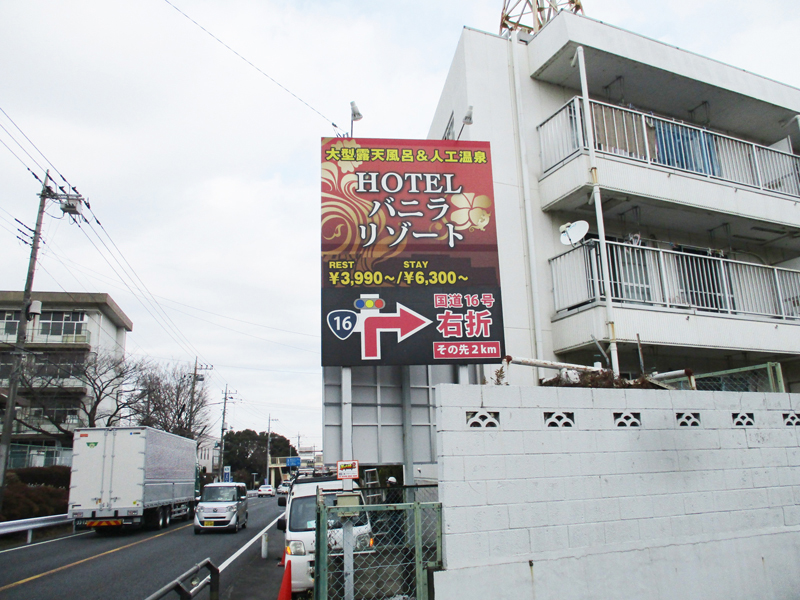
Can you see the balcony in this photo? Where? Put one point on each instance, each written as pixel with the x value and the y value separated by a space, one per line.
pixel 40 422
pixel 8 335
pixel 706 301
pixel 640 154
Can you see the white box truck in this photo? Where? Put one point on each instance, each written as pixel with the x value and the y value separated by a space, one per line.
pixel 128 477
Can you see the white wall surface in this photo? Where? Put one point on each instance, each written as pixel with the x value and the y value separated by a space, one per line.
pixel 601 511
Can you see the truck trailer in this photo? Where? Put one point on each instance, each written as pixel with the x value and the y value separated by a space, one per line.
pixel 130 477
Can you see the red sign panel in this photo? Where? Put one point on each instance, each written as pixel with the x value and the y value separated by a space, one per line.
pixel 409 252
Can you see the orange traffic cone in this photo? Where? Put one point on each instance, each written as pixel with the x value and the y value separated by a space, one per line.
pixel 282 562
pixel 286 585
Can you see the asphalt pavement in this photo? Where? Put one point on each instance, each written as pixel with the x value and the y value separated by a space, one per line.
pixel 132 565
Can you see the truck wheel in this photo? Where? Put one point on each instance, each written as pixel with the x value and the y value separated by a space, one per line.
pixel 159 519
pixel 167 515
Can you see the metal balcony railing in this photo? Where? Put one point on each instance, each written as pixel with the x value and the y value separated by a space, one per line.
pixel 658 141
pixel 656 277
pixel 26 423
pixel 8 335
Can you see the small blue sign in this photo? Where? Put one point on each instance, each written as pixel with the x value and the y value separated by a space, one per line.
pixel 293 461
pixel 226 475
pixel 342 322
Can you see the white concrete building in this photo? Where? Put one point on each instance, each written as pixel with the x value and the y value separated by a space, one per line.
pixel 700 190
pixel 580 493
pixel 71 326
pixel 699 178
pixel 570 493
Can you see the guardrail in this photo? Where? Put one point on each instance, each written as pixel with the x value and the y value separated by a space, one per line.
pixel 30 524
pixel 212 580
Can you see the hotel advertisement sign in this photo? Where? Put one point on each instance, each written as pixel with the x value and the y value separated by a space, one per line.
pixel 410 273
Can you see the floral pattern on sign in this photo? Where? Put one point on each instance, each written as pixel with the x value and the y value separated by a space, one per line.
pixel 470 212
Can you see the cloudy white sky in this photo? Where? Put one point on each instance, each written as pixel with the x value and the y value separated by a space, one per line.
pixel 205 173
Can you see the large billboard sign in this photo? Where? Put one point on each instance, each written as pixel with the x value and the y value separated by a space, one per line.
pixel 410 273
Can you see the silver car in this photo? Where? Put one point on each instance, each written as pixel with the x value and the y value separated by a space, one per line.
pixel 223 506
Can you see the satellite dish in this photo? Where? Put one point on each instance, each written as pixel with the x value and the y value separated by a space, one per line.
pixel 572 233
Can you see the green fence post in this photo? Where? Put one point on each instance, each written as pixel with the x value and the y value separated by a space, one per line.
pixel 321 558
pixel 422 579
pixel 776 376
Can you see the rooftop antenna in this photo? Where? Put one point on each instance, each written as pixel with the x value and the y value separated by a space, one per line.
pixel 532 15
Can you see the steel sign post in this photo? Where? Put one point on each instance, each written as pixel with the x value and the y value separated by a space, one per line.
pixel 410 273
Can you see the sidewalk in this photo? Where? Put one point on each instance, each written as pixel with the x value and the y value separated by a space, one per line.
pixel 258 578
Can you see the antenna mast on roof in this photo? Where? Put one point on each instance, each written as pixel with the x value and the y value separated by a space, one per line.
pixel 532 15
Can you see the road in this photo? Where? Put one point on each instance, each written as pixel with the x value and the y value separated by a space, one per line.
pixel 132 565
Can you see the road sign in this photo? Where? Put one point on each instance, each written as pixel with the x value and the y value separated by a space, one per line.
pixel 410 273
pixel 226 474
pixel 293 461
pixel 347 469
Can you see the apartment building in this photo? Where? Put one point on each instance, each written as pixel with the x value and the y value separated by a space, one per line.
pixel 71 327
pixel 698 180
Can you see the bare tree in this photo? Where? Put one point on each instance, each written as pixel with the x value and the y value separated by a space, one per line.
pixel 168 401
pixel 68 389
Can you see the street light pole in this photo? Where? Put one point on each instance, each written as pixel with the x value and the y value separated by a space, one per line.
pixel 19 347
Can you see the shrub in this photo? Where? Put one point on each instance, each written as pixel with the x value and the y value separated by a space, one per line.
pixel 55 476
pixel 24 501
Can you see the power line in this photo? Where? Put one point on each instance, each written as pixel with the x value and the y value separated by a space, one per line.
pixel 147 296
pixel 164 319
pixel 218 315
pixel 284 88
pixel 180 343
pixel 37 149
pixel 20 145
pixel 20 160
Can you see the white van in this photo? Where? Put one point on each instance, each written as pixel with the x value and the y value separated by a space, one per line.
pixel 299 526
pixel 222 506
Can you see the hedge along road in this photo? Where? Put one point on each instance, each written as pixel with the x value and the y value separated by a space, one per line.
pixel 127 566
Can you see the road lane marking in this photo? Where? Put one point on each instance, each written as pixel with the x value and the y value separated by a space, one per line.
pixel 66 537
pixel 26 580
pixel 238 553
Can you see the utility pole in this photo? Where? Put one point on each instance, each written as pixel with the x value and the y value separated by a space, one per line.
pixel 19 347
pixel 195 379
pixel 269 433
pixel 222 433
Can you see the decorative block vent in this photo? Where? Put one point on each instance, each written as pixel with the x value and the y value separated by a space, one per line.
pixel 627 419
pixel 791 419
pixel 559 419
pixel 483 418
pixel 743 419
pixel 688 419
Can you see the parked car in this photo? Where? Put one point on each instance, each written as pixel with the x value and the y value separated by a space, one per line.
pixel 266 490
pixel 223 506
pixel 299 526
pixel 284 488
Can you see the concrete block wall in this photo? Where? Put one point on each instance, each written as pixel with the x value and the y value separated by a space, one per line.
pixel 572 492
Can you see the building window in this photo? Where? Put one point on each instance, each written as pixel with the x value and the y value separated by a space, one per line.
pixel 11 319
pixel 62 322
pixel 450 130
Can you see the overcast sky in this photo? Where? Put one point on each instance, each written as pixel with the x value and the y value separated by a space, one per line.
pixel 205 173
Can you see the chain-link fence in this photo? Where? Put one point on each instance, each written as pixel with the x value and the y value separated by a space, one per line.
pixel 759 378
pixel 378 551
